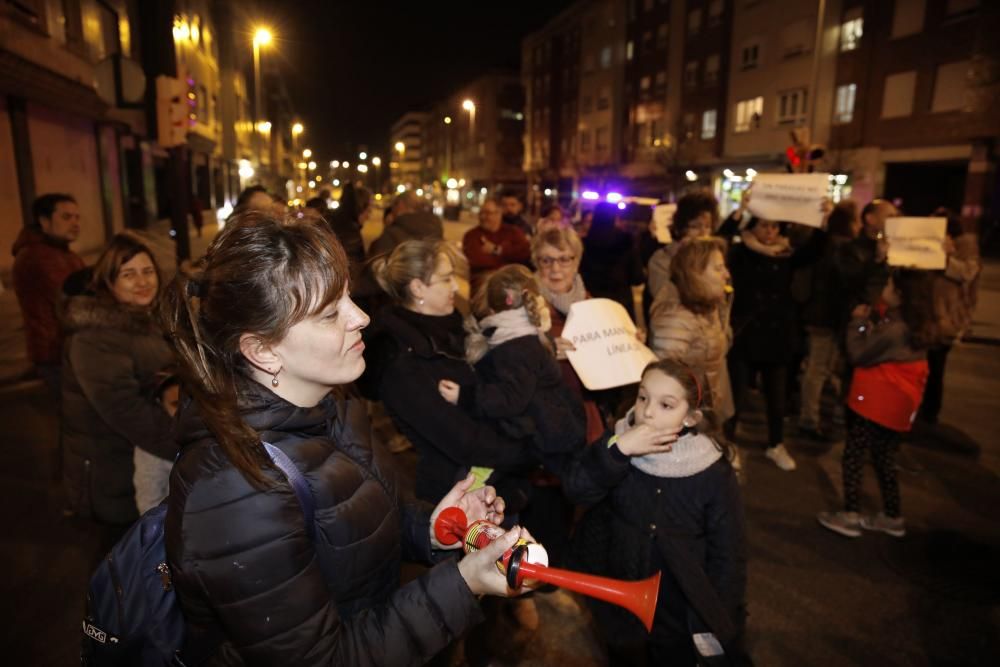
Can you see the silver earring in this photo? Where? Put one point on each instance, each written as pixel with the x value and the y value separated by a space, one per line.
pixel 274 380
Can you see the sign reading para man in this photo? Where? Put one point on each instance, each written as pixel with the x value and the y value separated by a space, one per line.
pixel 607 352
pixel 790 197
pixel 916 243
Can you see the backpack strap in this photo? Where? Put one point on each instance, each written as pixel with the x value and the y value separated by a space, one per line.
pixel 299 485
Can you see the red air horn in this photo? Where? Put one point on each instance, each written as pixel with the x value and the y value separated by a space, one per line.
pixel 639 597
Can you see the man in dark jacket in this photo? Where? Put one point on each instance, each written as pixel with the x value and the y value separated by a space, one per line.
pixel 409 220
pixel 42 262
pixel 512 207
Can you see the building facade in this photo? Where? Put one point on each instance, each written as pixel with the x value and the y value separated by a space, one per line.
pixel 914 116
pixel 474 137
pixel 406 140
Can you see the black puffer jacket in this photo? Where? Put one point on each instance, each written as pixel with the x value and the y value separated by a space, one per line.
pixel 520 383
pixel 408 354
pixel 112 356
pixel 691 528
pixel 244 567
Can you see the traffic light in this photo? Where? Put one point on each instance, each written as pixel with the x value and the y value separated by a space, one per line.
pixel 802 155
pixel 171 113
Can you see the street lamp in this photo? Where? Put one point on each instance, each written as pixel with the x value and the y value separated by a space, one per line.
pixel 400 148
pixel 307 153
pixel 470 106
pixel 377 161
pixel 362 156
pixel 297 129
pixel 261 37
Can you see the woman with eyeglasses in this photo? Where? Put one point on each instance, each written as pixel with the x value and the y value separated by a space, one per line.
pixel 557 253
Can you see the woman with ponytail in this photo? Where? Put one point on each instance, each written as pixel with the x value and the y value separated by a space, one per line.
pixel 518 381
pixel 267 335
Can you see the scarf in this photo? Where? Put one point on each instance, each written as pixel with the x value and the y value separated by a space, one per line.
pixel 496 330
pixel 780 248
pixel 562 302
pixel 689 455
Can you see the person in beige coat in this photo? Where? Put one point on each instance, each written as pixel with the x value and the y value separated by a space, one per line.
pixel 689 321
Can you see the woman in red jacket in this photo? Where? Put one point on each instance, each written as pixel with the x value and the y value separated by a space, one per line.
pixel 889 356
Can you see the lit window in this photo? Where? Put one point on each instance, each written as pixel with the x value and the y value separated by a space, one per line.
pixel 792 106
pixel 629 50
pixel 843 111
pixel 748 114
pixel 708 121
pixel 851 31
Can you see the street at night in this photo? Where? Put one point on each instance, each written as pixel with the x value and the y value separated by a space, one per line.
pixel 326 327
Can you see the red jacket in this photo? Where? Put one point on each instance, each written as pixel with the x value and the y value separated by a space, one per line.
pixel 890 393
pixel 514 248
pixel 41 265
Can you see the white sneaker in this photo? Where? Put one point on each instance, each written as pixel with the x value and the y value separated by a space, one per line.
pixel 781 458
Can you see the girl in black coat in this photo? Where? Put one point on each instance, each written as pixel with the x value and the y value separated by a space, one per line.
pixel 265 332
pixel 666 498
pixel 518 381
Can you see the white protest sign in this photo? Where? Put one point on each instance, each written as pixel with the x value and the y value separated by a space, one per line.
pixel 663 217
pixel 607 352
pixel 790 197
pixel 916 243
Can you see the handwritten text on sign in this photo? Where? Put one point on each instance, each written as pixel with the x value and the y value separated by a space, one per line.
pixel 917 243
pixel 790 197
pixel 607 354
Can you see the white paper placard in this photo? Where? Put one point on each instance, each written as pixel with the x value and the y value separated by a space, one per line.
pixel 607 352
pixel 663 217
pixel 789 197
pixel 916 243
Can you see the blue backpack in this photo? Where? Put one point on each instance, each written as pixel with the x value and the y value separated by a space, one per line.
pixel 132 615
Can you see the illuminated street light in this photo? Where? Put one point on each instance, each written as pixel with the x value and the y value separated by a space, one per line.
pixel 400 147
pixel 469 105
pixel 307 153
pixel 302 165
pixel 345 164
pixel 400 188
pixel 262 37
pixel 297 129
pixel 377 161
pixel 452 183
pixel 690 175
pixel 334 164
pixel 363 155
pixel 363 168
pixel 447 120
pixel 336 182
pixel 312 165
pixel 312 184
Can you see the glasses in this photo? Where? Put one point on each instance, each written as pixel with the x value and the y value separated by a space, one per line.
pixel 565 261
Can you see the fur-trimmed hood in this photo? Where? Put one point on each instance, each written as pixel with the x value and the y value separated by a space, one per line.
pixel 79 313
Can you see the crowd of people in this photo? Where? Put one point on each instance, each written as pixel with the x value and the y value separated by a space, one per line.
pixel 291 332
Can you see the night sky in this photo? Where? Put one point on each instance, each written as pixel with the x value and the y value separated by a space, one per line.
pixel 353 67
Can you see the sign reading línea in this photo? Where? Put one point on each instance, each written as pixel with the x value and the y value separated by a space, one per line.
pixel 607 354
